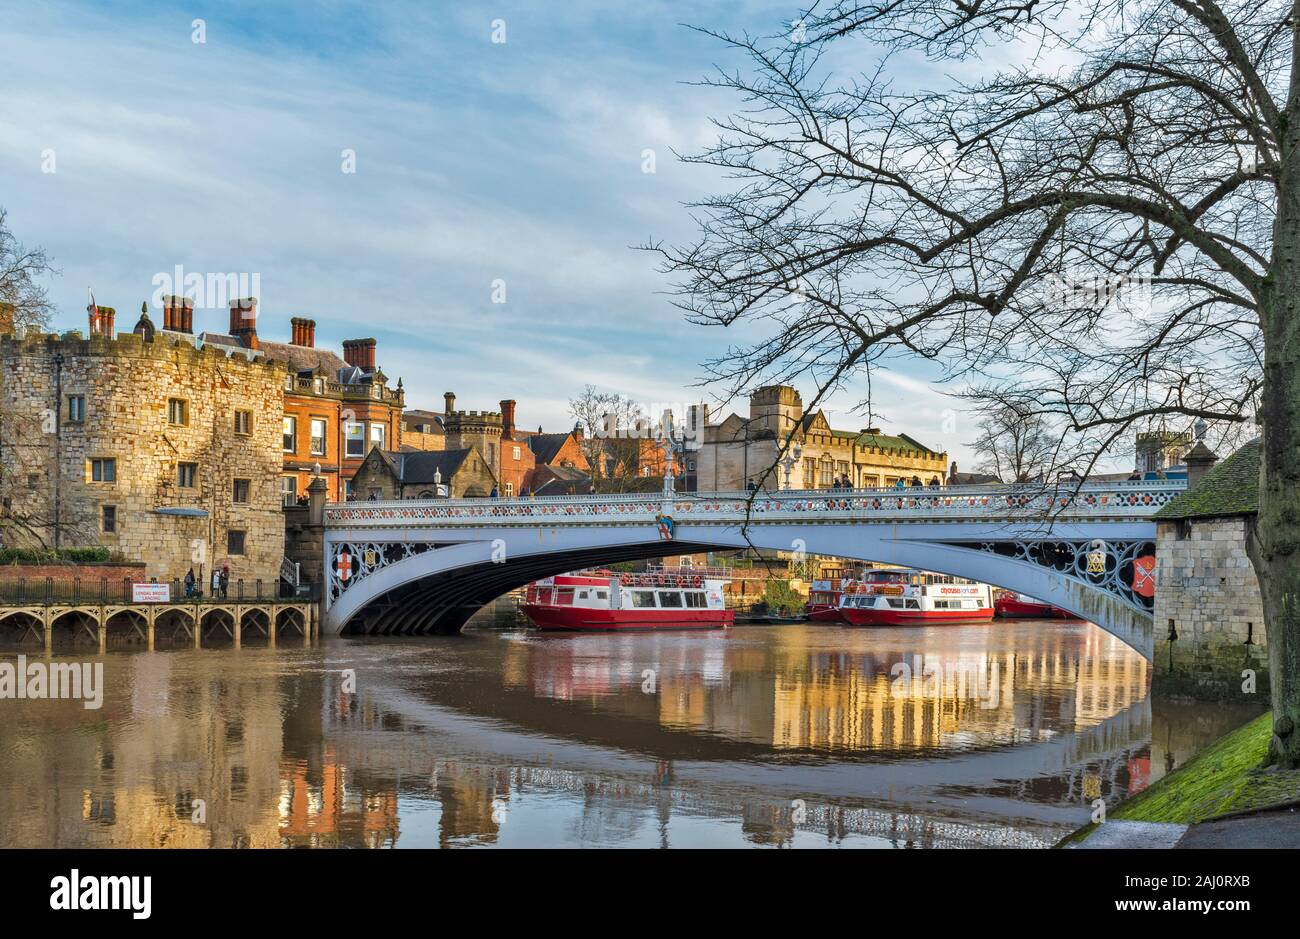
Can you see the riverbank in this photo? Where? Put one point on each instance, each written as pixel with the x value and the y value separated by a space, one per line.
pixel 1222 788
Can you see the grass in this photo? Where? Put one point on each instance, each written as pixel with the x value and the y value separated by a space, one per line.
pixel 1224 777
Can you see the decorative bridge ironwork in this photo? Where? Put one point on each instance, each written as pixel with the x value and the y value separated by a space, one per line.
pixel 1073 545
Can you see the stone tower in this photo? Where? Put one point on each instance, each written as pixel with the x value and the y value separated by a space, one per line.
pixel 777 408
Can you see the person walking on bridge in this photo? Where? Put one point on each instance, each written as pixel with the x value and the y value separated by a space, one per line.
pixel 189 583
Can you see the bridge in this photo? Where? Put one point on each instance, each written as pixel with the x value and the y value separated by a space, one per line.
pixel 419 566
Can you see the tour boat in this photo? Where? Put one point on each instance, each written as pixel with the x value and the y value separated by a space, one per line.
pixel 1010 604
pixel 824 602
pixel 901 597
pixel 601 600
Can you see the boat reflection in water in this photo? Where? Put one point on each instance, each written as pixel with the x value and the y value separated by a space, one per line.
pixel 802 735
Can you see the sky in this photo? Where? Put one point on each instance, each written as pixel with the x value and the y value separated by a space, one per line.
pixel 480 170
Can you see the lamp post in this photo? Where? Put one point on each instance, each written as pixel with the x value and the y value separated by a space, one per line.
pixel 791 461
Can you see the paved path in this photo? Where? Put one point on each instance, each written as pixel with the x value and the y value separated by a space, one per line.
pixel 1265 830
pixel 1124 834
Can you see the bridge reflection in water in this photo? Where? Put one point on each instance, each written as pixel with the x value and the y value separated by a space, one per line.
pixel 801 735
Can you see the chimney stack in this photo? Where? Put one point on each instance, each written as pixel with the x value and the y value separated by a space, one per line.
pixel 304 332
pixel 101 320
pixel 507 420
pixel 1199 461
pixel 449 403
pixel 360 353
pixel 243 321
pixel 178 314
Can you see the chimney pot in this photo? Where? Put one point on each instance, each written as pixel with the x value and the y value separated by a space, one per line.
pixel 508 420
pixel 243 321
pixel 449 402
pixel 360 353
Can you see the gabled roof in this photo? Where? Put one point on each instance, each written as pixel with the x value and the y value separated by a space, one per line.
pixel 419 468
pixel 1231 488
pixel 891 442
pixel 546 447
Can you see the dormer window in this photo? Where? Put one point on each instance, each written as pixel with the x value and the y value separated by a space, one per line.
pixel 320 386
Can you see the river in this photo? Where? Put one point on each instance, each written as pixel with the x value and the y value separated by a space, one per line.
pixel 797 736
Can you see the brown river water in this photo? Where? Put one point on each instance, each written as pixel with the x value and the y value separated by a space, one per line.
pixel 796 736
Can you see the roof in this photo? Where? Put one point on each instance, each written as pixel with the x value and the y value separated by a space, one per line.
pixel 891 442
pixel 546 447
pixel 419 468
pixel 973 479
pixel 300 358
pixel 1231 488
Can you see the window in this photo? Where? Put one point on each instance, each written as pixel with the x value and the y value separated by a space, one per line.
pixel 810 474
pixel 643 598
pixel 103 470
pixel 564 596
pixel 645 470
pixel 291 435
pixel 826 473
pixel 510 489
pixel 377 434
pixel 235 542
pixel 318 426
pixel 355 433
pixel 244 422
pixel 319 386
pixel 108 519
pixel 602 594
pixel 76 408
pixel 515 452
pixel 671 599
pixel 289 490
pixel 288 382
pixel 349 490
pixel 178 411
pixel 696 600
pixel 186 474
pixel 241 490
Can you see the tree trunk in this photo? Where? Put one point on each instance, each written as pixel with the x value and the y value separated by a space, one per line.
pixel 1273 539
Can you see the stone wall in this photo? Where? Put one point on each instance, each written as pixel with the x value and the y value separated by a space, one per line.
pixel 124 386
pixel 1209 620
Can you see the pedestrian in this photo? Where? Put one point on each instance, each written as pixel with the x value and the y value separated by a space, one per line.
pixel 495 494
pixel 916 482
pixel 189 583
pixel 225 580
pixel 934 482
pixel 899 483
pixel 216 583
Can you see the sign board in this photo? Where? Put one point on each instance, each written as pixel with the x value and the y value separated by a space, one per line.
pixel 151 593
pixel 822 586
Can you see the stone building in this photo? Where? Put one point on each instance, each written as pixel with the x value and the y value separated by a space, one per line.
pixel 388 475
pixel 741 452
pixel 162 449
pixel 422 430
pixel 335 409
pixel 1161 450
pixel 1209 618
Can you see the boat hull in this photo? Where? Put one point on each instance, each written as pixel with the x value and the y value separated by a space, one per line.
pixel 824 613
pixel 1014 608
pixel 867 617
pixel 581 619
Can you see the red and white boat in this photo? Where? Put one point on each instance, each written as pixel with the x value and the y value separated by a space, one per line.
pixel 824 602
pixel 1014 605
pixel 601 601
pixel 901 597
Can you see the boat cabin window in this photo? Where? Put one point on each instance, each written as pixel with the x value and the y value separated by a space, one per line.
pixel 602 594
pixel 544 595
pixel 582 594
pixel 670 598
pixel 913 605
pixel 696 599
pixel 564 596
pixel 895 603
pixel 643 598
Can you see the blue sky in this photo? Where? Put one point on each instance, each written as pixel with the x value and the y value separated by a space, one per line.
pixel 475 162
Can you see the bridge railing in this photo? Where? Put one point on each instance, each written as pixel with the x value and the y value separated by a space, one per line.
pixel 1124 499
pixel 103 591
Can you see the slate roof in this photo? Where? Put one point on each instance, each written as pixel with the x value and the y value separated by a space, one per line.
pixel 1231 488
pixel 415 469
pixel 300 358
pixel 546 446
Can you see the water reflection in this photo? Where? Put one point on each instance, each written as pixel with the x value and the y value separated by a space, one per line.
pixel 790 736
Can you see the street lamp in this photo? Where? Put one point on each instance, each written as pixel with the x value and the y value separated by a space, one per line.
pixel 791 461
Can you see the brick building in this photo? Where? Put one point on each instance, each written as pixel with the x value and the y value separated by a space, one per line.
pixel 335 409
pixel 156 446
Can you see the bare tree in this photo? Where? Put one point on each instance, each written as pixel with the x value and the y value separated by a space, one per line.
pixel 615 433
pixel 1015 445
pixel 20 271
pixel 1098 219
